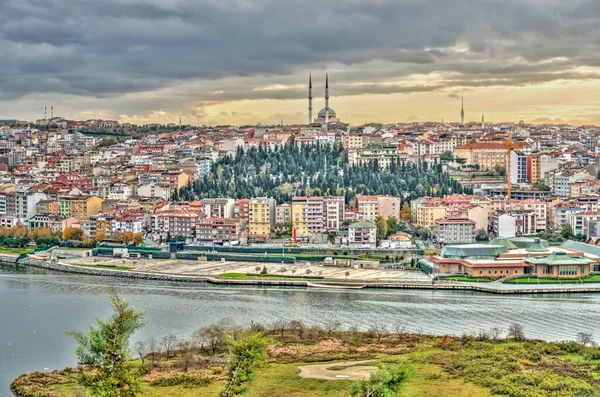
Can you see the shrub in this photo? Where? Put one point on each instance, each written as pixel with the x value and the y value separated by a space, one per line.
pixel 181 380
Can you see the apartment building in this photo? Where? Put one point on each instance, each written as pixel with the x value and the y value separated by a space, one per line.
pixel 80 207
pixel 307 215
pixel 426 210
pixel 362 234
pixel 487 155
pixel 218 207
pixel 283 214
pixel 261 217
pixel 334 208
pixel 221 230
pixel 455 230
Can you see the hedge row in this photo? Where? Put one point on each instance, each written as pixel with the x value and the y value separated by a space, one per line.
pixel 240 258
pixel 297 250
pixel 247 250
pixel 156 255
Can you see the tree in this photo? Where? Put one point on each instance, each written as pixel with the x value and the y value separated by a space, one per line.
pixel 392 225
pixel 104 350
pixel 405 212
pixel 381 229
pixel 585 338
pixel 447 156
pixel 40 233
pixel 247 352
pixel 117 236
pixel 137 238
pixel 516 332
pixel 72 233
pixel 141 349
pixel 542 187
pixel 127 237
pixel 168 342
pixel 153 349
pixel 185 350
pixel 566 231
pixel 383 383
pixel 481 235
pixel 100 235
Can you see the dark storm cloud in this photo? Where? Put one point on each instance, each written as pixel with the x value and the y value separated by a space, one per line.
pixel 113 47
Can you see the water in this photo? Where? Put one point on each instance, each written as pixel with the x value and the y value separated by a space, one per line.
pixel 38 307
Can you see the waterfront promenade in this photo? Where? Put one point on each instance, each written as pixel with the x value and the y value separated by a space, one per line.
pixel 200 271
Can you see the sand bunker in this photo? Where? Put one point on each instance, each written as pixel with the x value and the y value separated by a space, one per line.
pixel 353 372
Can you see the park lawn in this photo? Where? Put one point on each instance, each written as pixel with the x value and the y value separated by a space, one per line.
pixel 272 276
pixel 595 278
pixel 17 251
pixel 470 279
pixel 104 266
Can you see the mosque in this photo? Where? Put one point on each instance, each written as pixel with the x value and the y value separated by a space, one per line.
pixel 325 115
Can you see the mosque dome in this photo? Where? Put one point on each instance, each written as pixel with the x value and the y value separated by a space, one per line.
pixel 322 113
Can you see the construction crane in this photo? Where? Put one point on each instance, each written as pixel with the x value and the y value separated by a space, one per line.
pixel 509 148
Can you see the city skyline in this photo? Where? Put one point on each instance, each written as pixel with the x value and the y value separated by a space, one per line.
pixel 152 61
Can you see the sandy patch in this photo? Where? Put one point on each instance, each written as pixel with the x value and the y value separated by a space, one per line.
pixel 321 371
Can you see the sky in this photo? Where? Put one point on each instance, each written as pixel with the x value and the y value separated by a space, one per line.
pixel 248 61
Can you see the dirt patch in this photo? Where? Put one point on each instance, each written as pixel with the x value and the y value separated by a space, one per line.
pixel 353 372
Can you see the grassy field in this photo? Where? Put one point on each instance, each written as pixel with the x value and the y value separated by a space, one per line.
pixel 16 251
pixel 595 278
pixel 104 266
pixel 466 278
pixel 437 366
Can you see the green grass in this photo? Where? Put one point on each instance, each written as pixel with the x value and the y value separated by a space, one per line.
pixel 466 278
pixel 595 278
pixel 271 276
pixel 284 380
pixel 104 266
pixel 17 251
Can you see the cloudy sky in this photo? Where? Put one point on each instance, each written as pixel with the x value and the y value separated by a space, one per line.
pixel 247 61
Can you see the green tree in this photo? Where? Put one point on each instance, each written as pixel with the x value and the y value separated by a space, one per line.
pixel 392 225
pixel 481 235
pixel 382 229
pixel 386 382
pixel 542 187
pixel 447 155
pixel 104 350
pixel 566 231
pixel 247 352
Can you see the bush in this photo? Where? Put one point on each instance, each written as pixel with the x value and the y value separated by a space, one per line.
pixel 181 380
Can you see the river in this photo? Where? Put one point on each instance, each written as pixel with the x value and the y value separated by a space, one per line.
pixel 38 307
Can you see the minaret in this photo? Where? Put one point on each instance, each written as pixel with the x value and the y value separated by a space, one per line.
pixel 310 119
pixel 52 111
pixel 482 121
pixel 45 112
pixel 326 101
pixel 462 112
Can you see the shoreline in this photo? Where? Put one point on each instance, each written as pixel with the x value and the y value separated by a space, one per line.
pixel 61 267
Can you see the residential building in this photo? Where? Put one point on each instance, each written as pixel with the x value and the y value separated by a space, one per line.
pixel 362 234
pixel 80 207
pixel 518 166
pixel 283 214
pixel 261 217
pixel 455 231
pixel 221 230
pixel 334 208
pixel 218 207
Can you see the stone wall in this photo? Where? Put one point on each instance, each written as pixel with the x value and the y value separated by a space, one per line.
pixel 61 267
